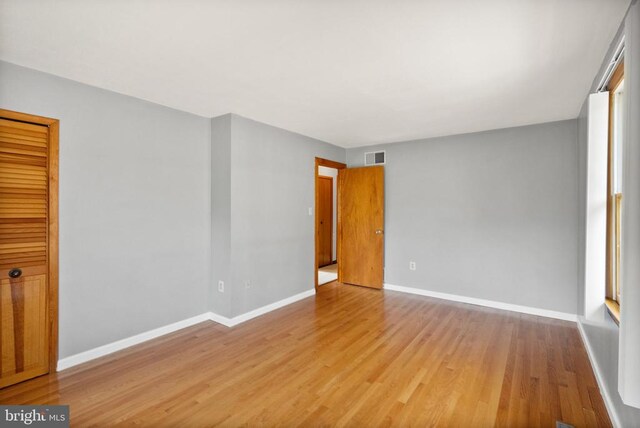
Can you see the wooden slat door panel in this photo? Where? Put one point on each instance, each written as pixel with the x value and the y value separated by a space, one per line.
pixel 24 344
pixel 24 245
pixel 361 226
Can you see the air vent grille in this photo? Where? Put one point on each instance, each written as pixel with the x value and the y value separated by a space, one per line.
pixel 375 158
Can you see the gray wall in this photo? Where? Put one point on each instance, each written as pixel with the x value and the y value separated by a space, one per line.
pixel 601 333
pixel 271 182
pixel 220 303
pixel 603 337
pixel 629 381
pixel 490 215
pixel 134 207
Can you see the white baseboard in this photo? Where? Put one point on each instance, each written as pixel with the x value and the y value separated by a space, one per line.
pixel 119 345
pixel 604 391
pixel 230 322
pixel 227 322
pixel 482 302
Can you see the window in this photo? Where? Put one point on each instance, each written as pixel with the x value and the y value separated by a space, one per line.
pixel 614 188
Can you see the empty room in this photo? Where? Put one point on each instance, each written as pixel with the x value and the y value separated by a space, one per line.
pixel 320 213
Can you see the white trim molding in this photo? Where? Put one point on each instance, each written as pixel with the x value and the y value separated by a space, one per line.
pixel 227 322
pixel 119 345
pixel 604 391
pixel 230 322
pixel 595 243
pixel 482 302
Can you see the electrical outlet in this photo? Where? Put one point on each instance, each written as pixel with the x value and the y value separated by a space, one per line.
pixel 221 286
pixel 247 284
pixel 412 265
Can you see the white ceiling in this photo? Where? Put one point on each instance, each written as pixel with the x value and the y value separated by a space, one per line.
pixel 348 72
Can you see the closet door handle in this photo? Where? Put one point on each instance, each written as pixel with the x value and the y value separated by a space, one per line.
pixel 15 273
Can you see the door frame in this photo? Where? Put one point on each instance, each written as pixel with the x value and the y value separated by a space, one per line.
pixel 330 164
pixel 52 232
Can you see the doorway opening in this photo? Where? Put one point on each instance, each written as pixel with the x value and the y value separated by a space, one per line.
pixel 326 211
pixel 326 224
pixel 349 249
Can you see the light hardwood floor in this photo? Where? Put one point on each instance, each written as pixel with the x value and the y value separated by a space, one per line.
pixel 349 356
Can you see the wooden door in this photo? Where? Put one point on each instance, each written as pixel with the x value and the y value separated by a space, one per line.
pixel 361 226
pixel 28 247
pixel 325 220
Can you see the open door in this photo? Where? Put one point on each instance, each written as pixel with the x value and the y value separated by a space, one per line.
pixel 361 226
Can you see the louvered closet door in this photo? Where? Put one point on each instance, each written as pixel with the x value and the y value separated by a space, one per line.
pixel 23 251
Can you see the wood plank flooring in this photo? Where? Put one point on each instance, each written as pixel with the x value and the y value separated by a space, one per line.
pixel 349 356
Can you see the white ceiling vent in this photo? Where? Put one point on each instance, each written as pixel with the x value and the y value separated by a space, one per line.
pixel 375 158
